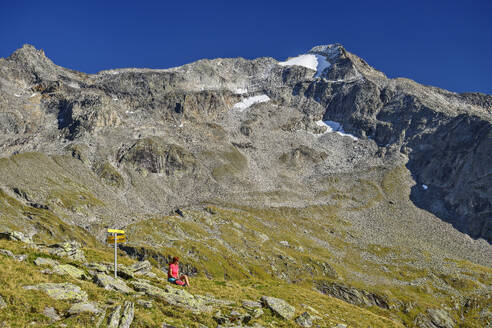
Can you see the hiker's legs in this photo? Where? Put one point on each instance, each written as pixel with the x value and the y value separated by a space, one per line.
pixel 185 278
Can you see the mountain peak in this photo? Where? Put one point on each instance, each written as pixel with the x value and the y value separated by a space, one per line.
pixel 330 51
pixel 28 52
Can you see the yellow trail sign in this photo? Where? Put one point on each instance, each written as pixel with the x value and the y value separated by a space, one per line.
pixel 116 231
pixel 119 239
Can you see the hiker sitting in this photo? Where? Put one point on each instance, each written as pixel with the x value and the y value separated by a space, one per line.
pixel 173 274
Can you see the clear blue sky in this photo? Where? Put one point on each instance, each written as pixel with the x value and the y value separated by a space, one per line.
pixel 443 43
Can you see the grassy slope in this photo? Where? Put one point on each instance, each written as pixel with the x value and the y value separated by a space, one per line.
pixel 275 251
pixel 26 306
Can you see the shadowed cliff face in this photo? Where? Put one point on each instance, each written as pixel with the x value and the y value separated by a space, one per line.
pixel 137 142
pixel 454 163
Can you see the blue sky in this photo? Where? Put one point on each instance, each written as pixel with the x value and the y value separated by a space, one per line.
pixel 443 43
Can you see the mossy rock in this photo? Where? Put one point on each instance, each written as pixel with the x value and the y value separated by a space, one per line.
pixel 156 156
pixel 109 174
pixel 61 291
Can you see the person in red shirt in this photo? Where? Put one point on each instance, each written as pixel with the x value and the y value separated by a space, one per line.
pixel 173 274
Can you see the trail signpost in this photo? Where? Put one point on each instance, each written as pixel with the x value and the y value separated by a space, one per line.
pixel 116 237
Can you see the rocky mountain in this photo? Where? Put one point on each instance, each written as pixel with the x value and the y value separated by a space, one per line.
pixel 321 157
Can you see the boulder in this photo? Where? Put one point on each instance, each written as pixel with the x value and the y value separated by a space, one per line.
pixel 114 318
pixel 100 319
pixel 145 304
pixel 45 261
pixel 8 253
pixel 305 320
pixel 124 272
pixel 84 307
pixel 110 283
pixel 256 313
pixel 3 304
pixel 71 270
pixel 15 236
pixel 250 305
pixel 434 318
pixel 71 250
pixel 140 268
pixel 150 275
pixel 99 267
pixel 51 314
pixel 440 318
pixel 174 296
pixel 279 307
pixel 128 315
pixel 61 291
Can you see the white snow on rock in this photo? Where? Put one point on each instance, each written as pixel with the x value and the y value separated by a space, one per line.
pixel 308 61
pixel 240 91
pixel 425 187
pixel 315 62
pixel 17 95
pixel 250 101
pixel 334 127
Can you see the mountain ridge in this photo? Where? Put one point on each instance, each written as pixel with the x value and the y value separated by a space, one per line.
pixel 330 177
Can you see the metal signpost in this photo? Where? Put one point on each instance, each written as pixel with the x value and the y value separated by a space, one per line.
pixel 117 237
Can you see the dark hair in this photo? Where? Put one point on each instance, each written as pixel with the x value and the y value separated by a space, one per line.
pixel 175 259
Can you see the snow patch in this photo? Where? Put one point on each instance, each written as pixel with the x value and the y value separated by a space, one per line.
pixel 315 62
pixel 335 127
pixel 17 95
pixel 33 95
pixel 74 85
pixel 181 125
pixel 308 61
pixel 129 112
pixel 250 101
pixel 425 187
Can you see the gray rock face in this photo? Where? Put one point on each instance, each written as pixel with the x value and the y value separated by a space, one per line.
pixel 61 291
pixel 52 314
pixel 3 304
pixel 114 318
pixel 140 268
pixel 145 304
pixel 175 296
pixel 250 305
pixel 352 295
pixel 8 253
pixel 305 320
pixel 70 270
pixel 435 318
pixel 15 236
pixel 45 261
pixel 453 166
pixel 279 307
pixel 71 250
pixel 110 283
pixel 87 307
pixel 127 316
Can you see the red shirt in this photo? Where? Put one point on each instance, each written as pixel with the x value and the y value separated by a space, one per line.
pixel 173 270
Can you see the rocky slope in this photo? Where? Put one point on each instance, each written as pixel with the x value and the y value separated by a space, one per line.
pixel 328 164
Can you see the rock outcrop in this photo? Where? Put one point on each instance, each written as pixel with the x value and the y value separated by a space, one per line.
pixel 279 307
pixel 352 295
pixel 61 291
